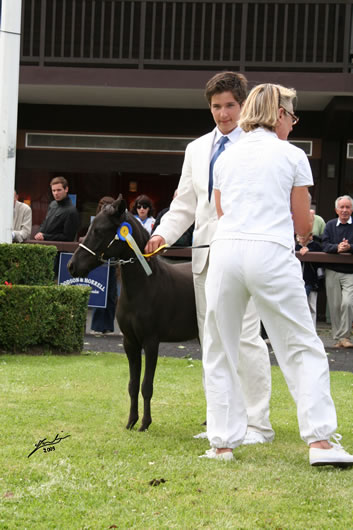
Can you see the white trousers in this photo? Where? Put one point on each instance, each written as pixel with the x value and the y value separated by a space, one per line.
pixel 339 291
pixel 254 368
pixel 312 301
pixel 272 275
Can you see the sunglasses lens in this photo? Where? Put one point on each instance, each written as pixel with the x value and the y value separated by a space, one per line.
pixel 145 206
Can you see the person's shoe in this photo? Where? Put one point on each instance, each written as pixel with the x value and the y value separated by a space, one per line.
pixel 336 456
pixel 346 343
pixel 201 435
pixel 212 453
pixel 96 333
pixel 254 437
pixel 343 343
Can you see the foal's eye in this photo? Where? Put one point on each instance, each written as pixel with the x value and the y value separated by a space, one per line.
pixel 98 232
pixel 94 231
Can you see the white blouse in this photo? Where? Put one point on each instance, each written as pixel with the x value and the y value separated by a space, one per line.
pixel 255 177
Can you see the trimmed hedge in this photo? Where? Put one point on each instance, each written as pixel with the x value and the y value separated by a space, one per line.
pixel 23 264
pixel 52 317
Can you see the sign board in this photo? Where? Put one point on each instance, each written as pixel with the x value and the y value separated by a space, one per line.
pixel 97 280
pixel 73 197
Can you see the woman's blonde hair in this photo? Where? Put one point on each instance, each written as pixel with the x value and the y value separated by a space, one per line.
pixel 262 106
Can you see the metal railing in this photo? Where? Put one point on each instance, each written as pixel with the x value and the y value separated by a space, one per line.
pixel 188 34
pixel 315 257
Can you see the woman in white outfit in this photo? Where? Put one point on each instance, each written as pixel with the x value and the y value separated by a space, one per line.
pixel 261 189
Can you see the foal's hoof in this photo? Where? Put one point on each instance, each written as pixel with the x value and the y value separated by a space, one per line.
pixel 131 424
pixel 143 428
pixel 146 422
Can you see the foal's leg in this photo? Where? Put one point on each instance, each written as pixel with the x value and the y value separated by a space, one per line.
pixel 151 356
pixel 133 352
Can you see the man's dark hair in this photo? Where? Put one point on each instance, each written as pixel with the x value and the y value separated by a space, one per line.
pixel 227 82
pixel 59 180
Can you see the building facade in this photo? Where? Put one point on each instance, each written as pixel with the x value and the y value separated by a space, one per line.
pixel 111 91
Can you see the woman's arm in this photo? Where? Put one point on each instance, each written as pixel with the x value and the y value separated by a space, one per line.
pixel 217 198
pixel 300 207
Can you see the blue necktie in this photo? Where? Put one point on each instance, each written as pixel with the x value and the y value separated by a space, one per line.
pixel 220 150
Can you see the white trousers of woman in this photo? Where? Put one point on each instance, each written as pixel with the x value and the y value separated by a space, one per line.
pixel 254 367
pixel 272 275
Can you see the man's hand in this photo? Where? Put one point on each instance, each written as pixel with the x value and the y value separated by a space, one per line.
pixel 154 243
pixel 344 246
pixel 39 236
pixel 303 251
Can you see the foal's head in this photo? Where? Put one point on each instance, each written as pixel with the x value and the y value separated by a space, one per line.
pixel 102 241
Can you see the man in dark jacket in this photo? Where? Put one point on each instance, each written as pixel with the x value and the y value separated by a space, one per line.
pixel 62 220
pixel 338 238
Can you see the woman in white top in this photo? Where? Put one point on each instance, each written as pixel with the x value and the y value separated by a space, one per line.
pixel 143 211
pixel 261 189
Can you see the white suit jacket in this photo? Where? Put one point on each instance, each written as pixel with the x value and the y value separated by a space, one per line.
pixel 191 204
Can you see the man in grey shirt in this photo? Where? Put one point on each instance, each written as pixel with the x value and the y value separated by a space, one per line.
pixel 22 221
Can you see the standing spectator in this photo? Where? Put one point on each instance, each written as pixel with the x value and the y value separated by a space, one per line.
pixel 225 93
pixel 312 272
pixel 318 223
pixel 62 220
pixel 143 211
pixel 252 255
pixel 338 238
pixel 22 221
pixel 103 318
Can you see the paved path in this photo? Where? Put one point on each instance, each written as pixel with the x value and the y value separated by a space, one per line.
pixel 339 359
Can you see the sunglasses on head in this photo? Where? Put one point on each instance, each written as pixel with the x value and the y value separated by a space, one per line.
pixel 142 205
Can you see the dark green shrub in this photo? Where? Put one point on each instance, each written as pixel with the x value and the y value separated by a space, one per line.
pixel 52 317
pixel 23 264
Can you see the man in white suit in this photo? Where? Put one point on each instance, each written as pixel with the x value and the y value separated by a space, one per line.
pixel 225 93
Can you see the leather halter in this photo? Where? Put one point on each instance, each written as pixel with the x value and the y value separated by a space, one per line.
pixel 101 258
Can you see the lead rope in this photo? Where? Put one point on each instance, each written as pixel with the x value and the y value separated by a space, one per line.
pixel 173 248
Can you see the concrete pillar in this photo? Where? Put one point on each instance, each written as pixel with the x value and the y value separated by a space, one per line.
pixel 10 25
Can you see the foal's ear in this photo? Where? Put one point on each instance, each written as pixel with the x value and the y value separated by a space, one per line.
pixel 119 206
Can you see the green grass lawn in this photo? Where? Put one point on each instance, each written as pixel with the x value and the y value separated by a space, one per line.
pixel 103 476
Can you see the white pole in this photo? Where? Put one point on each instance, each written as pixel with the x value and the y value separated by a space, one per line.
pixel 10 26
